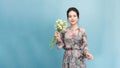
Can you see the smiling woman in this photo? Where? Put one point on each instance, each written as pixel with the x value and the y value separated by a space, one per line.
pixel 26 27
pixel 74 41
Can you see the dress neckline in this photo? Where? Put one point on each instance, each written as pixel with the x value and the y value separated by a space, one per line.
pixel 78 28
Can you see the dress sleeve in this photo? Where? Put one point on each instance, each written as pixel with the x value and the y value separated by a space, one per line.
pixel 84 43
pixel 60 42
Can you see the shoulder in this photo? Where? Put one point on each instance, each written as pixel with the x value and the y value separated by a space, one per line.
pixel 82 29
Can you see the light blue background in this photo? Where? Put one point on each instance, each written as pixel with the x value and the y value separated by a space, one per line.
pixel 27 26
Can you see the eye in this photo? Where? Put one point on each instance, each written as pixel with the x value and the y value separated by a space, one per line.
pixel 69 16
pixel 75 16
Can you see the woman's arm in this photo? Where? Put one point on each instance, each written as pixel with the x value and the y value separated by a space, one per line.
pixel 84 42
pixel 85 46
pixel 60 41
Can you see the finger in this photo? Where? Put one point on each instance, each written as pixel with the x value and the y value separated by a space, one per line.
pixel 87 55
pixel 90 58
pixel 56 33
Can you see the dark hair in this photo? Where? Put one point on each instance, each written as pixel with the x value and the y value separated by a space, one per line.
pixel 73 9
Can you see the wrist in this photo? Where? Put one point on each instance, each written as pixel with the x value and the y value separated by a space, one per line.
pixel 59 39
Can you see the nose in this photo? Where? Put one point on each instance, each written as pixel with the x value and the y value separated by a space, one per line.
pixel 72 18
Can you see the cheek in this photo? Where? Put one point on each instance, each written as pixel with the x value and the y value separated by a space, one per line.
pixel 69 19
pixel 76 18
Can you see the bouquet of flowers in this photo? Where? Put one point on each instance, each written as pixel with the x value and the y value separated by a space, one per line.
pixel 59 26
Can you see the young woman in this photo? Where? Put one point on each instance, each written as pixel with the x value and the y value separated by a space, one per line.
pixel 74 41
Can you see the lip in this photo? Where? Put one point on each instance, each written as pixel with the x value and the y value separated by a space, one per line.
pixel 72 21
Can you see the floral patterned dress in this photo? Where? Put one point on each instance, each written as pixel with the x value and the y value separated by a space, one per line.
pixel 75 45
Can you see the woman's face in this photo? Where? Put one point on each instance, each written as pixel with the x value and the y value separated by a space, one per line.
pixel 72 17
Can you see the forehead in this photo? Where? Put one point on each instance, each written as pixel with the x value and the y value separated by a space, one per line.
pixel 72 13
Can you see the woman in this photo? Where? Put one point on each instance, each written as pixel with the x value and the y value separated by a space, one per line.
pixel 73 41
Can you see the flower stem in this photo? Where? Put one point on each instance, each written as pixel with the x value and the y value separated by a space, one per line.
pixel 52 43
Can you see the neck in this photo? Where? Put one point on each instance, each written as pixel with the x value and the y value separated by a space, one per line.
pixel 74 26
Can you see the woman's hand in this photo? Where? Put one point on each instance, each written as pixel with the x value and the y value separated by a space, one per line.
pixel 57 35
pixel 89 56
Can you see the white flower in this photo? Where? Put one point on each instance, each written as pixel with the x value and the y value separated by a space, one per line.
pixel 60 25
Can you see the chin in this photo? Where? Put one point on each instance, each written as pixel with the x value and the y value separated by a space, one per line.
pixel 72 23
